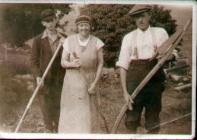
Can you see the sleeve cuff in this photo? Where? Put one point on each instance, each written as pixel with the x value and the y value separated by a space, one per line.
pixel 123 65
pixel 98 47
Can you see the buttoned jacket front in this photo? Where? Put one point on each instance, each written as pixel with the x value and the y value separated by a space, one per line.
pixel 40 57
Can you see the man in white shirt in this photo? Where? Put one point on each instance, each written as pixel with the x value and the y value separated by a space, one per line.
pixel 137 57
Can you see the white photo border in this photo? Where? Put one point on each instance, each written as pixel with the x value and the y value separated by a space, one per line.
pixel 122 136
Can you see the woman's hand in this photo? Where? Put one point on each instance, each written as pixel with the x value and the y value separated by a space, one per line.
pixel 75 63
pixel 128 99
pixel 66 63
pixel 91 89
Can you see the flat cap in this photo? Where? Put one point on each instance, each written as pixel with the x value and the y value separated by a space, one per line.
pixel 47 14
pixel 137 9
pixel 83 18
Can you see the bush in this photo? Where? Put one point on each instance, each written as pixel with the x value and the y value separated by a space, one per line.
pixel 111 23
pixel 20 22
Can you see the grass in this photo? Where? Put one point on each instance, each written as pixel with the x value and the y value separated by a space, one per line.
pixel 14 96
pixel 13 91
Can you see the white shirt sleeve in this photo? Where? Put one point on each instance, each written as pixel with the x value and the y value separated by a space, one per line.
pixel 99 44
pixel 65 45
pixel 163 36
pixel 125 54
pixel 65 54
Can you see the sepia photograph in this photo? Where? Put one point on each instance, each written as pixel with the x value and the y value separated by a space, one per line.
pixel 98 69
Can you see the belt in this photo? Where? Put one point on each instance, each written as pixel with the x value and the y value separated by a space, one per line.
pixel 143 61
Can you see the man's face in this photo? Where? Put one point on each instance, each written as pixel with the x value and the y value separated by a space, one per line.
pixel 50 25
pixel 142 20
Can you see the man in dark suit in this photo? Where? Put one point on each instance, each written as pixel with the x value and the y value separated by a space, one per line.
pixel 43 48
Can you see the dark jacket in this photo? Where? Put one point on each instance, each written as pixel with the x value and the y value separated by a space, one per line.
pixel 41 55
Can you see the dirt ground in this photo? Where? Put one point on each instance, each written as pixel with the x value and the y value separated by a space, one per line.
pixel 175 104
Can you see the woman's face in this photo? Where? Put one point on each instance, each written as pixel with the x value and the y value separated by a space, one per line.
pixel 84 28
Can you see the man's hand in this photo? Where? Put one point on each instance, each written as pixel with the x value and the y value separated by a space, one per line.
pixel 172 57
pixel 38 80
pixel 128 100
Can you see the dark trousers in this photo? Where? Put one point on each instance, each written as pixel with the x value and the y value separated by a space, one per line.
pixel 49 99
pixel 149 97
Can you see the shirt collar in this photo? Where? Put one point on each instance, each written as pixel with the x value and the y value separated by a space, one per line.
pixel 46 34
pixel 85 42
pixel 143 32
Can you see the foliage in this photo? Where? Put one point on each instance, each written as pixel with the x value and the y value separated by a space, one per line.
pixel 162 18
pixel 20 22
pixel 111 23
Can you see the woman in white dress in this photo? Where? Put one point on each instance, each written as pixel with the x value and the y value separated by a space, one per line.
pixel 83 59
